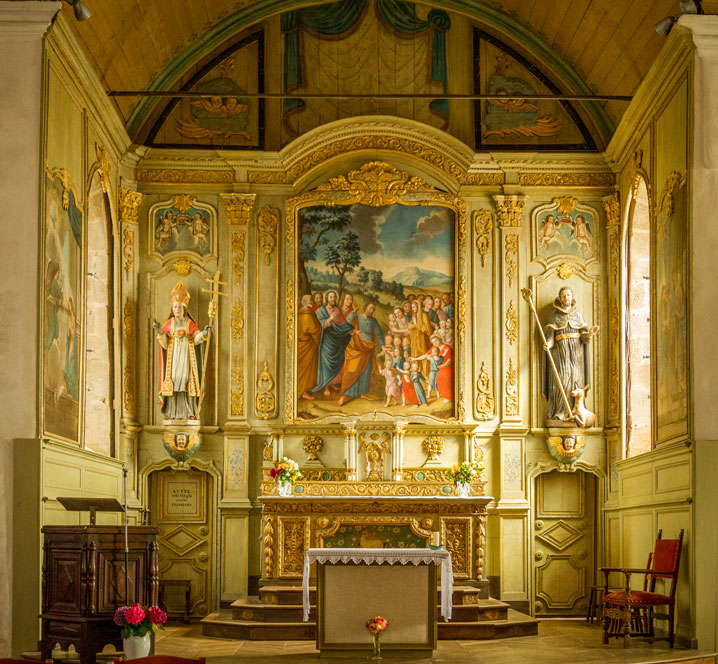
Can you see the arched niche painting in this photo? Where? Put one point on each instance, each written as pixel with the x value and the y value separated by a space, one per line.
pixel 62 311
pixel 183 226
pixel 375 311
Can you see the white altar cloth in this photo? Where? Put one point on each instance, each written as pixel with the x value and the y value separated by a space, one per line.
pixel 383 557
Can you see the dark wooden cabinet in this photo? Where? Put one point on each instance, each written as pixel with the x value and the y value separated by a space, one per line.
pixel 83 582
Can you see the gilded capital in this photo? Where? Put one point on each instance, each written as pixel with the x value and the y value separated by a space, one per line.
pixel 510 210
pixel 129 201
pixel 239 208
pixel 612 207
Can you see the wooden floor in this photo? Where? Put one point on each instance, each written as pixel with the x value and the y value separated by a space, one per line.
pixel 558 642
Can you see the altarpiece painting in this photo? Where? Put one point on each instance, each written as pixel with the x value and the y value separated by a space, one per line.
pixel 375 317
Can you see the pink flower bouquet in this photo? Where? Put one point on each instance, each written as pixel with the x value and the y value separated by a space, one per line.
pixel 137 620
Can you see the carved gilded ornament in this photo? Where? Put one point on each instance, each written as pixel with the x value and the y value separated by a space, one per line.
pixel 129 201
pixel 613 257
pixel 461 309
pixel 511 391
pixel 612 208
pixel 512 323
pixel 511 252
pixel 566 449
pixel 484 395
pixel 370 522
pixel 182 267
pixel 634 175
pixel 613 324
pixel 268 449
pixel 63 175
pixel 267 224
pixel 290 312
pixel 176 176
pixel 565 271
pixel 268 543
pixel 294 541
pixel 239 208
pixel 483 179
pixel 105 167
pixel 480 549
pixel 460 410
pixel 238 256
pixel 457 541
pixel 128 249
pixel 312 445
pixel 265 401
pixel 509 211
pixel 237 389
pixel 183 202
pixel 128 394
pixel 565 204
pixel 433 446
pixel 393 143
pixel 437 475
pixel 665 201
pixel 268 177
pixel 324 474
pixel 483 226
pixel 613 393
pixel 237 322
pixel 375 446
pixel 566 179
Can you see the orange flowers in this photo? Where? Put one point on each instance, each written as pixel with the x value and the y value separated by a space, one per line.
pixel 377 624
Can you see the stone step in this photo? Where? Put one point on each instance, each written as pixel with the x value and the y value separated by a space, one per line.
pixel 292 595
pixel 221 625
pixel 257 611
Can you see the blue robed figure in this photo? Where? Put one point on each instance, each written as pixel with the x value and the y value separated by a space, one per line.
pixel 336 333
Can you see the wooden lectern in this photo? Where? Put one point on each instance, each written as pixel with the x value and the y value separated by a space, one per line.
pixel 83 580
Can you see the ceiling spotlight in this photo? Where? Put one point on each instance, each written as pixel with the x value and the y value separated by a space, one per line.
pixel 666 25
pixel 82 13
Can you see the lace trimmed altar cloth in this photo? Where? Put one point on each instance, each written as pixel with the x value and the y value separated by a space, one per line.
pixel 383 557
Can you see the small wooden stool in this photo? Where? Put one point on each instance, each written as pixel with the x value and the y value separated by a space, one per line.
pixel 176 583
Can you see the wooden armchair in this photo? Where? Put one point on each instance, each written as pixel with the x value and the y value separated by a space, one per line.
pixel 629 612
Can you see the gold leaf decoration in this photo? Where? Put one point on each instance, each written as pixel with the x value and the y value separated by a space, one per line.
pixel 265 402
pixel 566 179
pixel 238 256
pixel 312 445
pixel 565 204
pixel 128 249
pixel 511 251
pixel 565 271
pixel 433 446
pixel 290 313
pixel 182 267
pixel 612 207
pixel 237 321
pixel 267 224
pixel 461 321
pixel 105 167
pixel 509 210
pixel 485 395
pixel 512 323
pixel 183 202
pixel 239 208
pixel 129 201
pixel 237 389
pixel 176 175
pixel 483 226
pixel 511 391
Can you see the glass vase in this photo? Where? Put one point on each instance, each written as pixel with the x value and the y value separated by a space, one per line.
pixel 285 489
pixel 377 646
pixel 463 488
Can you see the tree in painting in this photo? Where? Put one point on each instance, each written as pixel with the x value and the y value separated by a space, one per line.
pixel 375 322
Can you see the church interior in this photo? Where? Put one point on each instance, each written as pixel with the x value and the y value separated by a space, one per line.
pixel 294 277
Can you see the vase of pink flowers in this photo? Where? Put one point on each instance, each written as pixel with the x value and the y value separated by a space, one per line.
pixel 137 624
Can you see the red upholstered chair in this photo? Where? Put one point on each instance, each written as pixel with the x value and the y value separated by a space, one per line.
pixel 629 612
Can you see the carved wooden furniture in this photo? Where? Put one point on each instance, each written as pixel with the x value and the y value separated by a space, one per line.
pixel 371 577
pixel 185 585
pixel 83 582
pixel 292 525
pixel 631 612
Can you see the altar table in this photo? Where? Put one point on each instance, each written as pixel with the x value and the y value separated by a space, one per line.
pixel 354 585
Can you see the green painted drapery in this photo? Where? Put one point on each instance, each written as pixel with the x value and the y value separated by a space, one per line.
pixel 338 17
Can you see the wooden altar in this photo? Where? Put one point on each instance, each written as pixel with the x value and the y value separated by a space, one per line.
pixel 294 524
pixel 83 582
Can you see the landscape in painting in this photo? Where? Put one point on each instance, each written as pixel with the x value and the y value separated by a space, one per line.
pixel 375 314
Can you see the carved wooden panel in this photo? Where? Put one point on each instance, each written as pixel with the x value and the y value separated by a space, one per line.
pixel 456 537
pixel 293 542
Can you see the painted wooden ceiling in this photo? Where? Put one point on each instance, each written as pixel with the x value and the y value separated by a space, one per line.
pixel 608 45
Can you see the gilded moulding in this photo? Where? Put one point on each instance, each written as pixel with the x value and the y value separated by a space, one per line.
pixel 612 208
pixel 511 252
pixel 239 208
pixel 368 520
pixel 105 168
pixel 483 179
pixel 237 407
pixel 290 313
pixel 237 320
pixel 180 176
pixel 512 323
pixel 461 322
pixel 566 179
pixel 367 489
pixel 613 254
pixel 483 226
pixel 404 145
pixel 238 256
pixel 182 267
pixel 269 177
pixel 129 201
pixel 485 395
pixel 511 391
pixel 370 507
pixel 613 394
pixel 665 202
pixel 267 224
pixel 128 249
pixel 265 401
pixel 634 174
